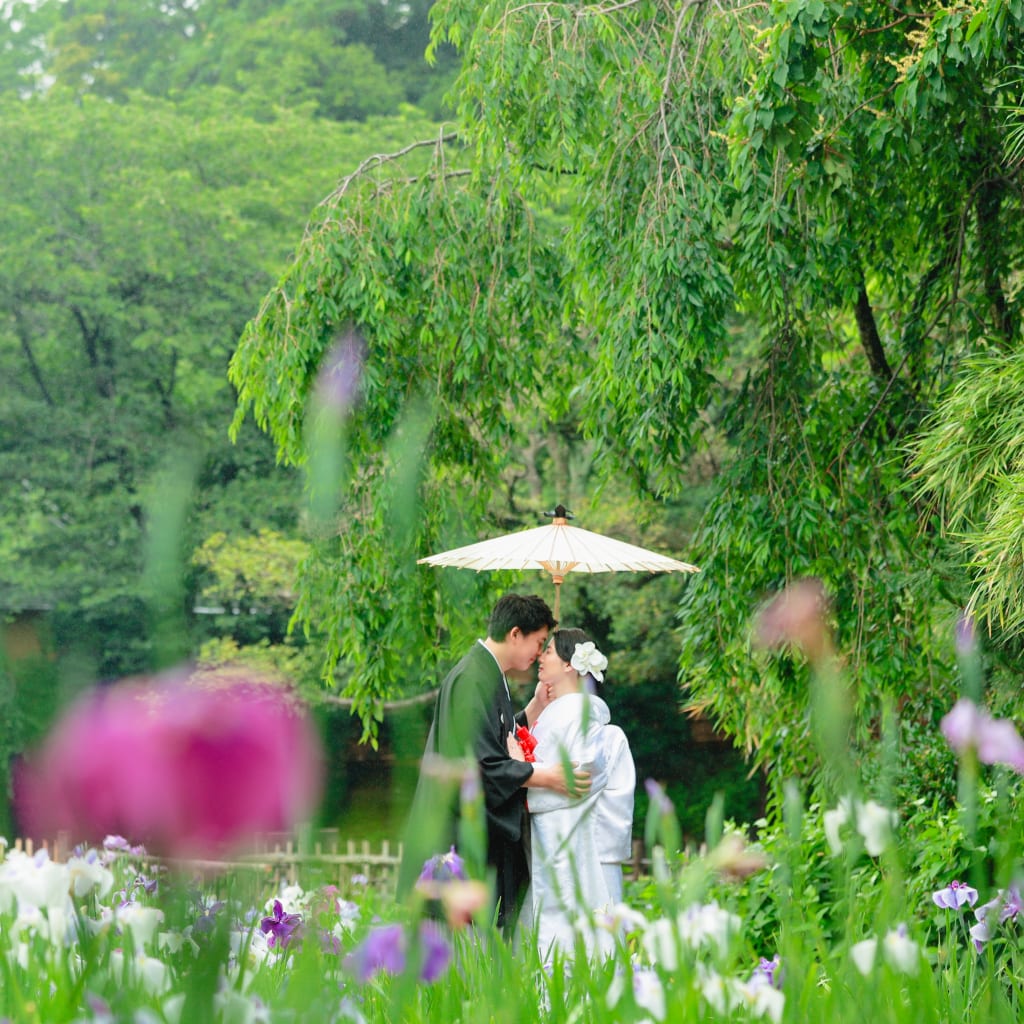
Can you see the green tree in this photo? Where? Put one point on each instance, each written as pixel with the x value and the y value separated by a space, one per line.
pixel 136 238
pixel 767 230
pixel 350 60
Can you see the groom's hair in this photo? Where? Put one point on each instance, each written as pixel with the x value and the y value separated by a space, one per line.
pixel 528 612
pixel 565 641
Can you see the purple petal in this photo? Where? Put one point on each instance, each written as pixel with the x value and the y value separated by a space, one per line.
pixel 980 934
pixel 960 725
pixel 658 797
pixel 437 954
pixel 383 950
pixel 965 636
pixel 1000 743
pixel 342 367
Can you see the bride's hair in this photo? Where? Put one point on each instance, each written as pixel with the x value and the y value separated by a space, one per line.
pixel 565 641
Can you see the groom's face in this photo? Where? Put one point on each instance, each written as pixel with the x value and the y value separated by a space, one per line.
pixel 526 647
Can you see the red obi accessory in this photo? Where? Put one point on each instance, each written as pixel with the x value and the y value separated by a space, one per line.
pixel 527 741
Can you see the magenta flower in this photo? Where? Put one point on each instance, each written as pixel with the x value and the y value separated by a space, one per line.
pixel 996 740
pixel 955 895
pixel 281 927
pixel 192 765
pixel 797 615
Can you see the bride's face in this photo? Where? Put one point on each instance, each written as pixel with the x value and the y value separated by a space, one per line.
pixel 559 675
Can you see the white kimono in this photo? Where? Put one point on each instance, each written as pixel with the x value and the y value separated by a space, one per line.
pixel 570 836
pixel 615 809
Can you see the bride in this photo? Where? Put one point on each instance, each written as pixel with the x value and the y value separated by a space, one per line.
pixel 577 844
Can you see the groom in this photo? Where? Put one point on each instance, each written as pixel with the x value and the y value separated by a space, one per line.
pixel 474 714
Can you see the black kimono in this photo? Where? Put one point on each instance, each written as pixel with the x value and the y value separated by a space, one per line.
pixel 474 713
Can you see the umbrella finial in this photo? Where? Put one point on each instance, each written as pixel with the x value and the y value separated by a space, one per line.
pixel 560 512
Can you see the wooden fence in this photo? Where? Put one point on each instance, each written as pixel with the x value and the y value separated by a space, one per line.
pixel 324 858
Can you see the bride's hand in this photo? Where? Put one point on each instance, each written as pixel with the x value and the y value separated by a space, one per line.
pixel 515 750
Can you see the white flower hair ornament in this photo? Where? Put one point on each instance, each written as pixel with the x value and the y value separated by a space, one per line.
pixel 588 660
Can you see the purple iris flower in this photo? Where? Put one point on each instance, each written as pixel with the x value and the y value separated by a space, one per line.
pixel 383 950
pixel 955 895
pixel 767 972
pixel 437 953
pixel 149 884
pixel 469 788
pixel 342 368
pixel 1008 903
pixel 995 740
pixel 207 919
pixel 966 636
pixel 281 927
pixel 658 797
pixel 446 867
pixel 99 1006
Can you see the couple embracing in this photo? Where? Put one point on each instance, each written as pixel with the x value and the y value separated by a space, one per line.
pixel 557 776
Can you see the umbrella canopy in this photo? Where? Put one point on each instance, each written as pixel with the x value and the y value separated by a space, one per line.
pixel 559 549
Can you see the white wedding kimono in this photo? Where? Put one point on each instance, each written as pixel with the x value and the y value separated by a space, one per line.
pixel 570 837
pixel 615 809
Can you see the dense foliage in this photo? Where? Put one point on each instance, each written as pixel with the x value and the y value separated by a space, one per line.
pixel 768 232
pixel 719 269
pixel 344 60
pixel 138 237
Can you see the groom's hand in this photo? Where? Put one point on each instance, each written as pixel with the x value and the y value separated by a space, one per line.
pixel 553 776
pixel 579 782
pixel 538 702
pixel 515 748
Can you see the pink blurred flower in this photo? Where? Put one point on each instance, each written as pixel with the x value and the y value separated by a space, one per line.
pixel 995 739
pixel 464 901
pixel 191 765
pixel 796 616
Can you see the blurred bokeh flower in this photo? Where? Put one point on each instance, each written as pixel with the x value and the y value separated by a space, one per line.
pixel 382 950
pixel 996 740
pixel 464 901
pixel 797 616
pixel 190 765
pixel 436 952
pixel 1005 907
pixel 438 871
pixel 899 951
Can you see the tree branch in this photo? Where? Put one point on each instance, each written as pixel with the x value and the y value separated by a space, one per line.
pixel 33 365
pixel 379 160
pixel 388 705
pixel 869 337
pixel 104 381
pixel 988 204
